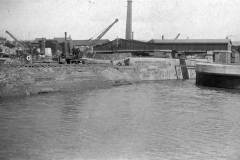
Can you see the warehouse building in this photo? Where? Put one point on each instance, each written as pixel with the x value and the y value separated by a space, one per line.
pixel 194 45
pixel 183 45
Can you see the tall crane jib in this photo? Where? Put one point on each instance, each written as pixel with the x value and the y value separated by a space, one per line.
pixel 87 51
pixel 106 30
pixel 26 51
pixel 15 39
pixel 94 41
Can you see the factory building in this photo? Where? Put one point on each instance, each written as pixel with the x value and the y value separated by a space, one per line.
pixel 194 45
pixel 79 43
pixel 181 45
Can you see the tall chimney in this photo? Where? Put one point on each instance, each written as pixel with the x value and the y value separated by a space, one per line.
pixel 66 48
pixel 65 37
pixel 129 20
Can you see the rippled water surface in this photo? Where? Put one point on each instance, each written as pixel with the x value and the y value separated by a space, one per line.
pixel 163 120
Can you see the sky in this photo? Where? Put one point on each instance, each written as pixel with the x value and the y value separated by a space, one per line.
pixel 83 19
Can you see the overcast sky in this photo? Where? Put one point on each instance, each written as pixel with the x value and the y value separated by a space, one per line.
pixel 82 19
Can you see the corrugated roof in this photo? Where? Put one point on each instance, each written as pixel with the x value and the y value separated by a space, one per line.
pixel 193 41
pixel 61 39
pixel 87 42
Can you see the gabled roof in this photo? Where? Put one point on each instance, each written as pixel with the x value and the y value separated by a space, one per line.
pixel 192 41
pixel 61 39
pixel 183 45
pixel 87 42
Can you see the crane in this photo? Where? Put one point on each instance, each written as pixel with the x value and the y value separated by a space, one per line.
pixel 87 51
pixel 106 30
pixel 93 41
pixel 178 35
pixel 24 46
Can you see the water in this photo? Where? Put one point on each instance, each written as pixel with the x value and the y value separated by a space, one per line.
pixel 165 120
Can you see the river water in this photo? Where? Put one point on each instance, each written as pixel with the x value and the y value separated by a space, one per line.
pixel 164 120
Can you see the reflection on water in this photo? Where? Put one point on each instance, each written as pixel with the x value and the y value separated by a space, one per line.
pixel 164 120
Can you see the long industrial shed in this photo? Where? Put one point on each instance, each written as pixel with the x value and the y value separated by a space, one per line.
pixel 181 45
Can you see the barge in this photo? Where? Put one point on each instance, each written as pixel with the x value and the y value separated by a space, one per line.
pixel 218 75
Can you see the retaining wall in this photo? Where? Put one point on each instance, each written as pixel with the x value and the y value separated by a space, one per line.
pixel 160 68
pixel 28 80
pixel 21 80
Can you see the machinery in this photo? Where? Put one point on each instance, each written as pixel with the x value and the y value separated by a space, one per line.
pixel 23 45
pixel 28 51
pixel 103 33
pixel 25 49
pixel 76 55
pixel 93 42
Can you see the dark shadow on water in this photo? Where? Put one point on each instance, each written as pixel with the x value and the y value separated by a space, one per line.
pixel 232 91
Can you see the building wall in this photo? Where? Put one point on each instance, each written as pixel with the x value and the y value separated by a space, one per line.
pixel 193 47
pixel 121 44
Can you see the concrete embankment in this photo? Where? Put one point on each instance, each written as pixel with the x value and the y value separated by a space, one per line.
pixel 151 69
pixel 17 81
pixel 29 80
pixel 161 68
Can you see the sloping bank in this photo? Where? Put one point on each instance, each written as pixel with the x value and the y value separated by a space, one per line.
pixel 25 80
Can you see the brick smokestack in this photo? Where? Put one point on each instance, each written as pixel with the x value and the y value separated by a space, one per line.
pixel 129 20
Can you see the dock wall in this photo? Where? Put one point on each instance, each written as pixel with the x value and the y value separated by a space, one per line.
pixel 27 80
pixel 30 80
pixel 161 68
